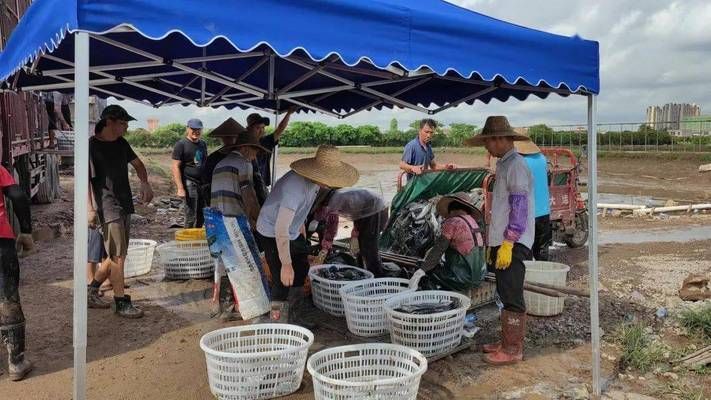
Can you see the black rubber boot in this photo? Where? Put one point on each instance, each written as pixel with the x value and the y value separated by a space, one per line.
pixel 228 307
pixel 94 300
pixel 14 339
pixel 124 308
pixel 300 312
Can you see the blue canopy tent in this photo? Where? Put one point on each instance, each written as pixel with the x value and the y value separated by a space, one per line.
pixel 336 57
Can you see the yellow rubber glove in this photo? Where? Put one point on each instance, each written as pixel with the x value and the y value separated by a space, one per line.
pixel 504 255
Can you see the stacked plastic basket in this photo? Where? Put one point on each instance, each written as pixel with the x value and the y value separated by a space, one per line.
pixel 367 371
pixel 363 304
pixel 433 333
pixel 139 258
pixel 186 259
pixel 259 361
pixel 325 292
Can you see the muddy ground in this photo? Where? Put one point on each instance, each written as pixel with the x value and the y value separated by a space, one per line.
pixel 158 357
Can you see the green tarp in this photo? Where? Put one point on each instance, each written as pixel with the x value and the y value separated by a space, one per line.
pixel 435 183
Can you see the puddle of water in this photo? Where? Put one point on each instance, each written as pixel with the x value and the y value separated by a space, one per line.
pixel 675 235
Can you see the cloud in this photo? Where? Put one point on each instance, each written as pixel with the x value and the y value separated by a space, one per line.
pixel 651 52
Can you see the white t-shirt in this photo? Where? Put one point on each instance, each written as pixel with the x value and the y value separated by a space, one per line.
pixel 292 192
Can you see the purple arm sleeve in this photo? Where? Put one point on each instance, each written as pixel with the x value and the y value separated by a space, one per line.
pixel 517 216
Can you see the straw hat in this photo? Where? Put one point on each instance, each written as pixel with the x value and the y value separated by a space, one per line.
pixel 247 138
pixel 229 128
pixel 526 147
pixel 462 198
pixel 495 126
pixel 326 168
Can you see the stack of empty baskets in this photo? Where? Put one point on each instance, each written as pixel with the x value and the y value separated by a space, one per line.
pixel 188 257
pixel 139 258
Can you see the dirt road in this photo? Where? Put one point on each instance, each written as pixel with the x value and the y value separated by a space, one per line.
pixel 158 357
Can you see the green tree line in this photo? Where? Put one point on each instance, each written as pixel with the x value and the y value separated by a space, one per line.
pixel 311 134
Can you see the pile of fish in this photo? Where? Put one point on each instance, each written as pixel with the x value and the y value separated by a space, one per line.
pixel 414 229
pixel 334 273
pixel 429 308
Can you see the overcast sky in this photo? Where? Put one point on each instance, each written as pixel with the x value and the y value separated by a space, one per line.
pixel 651 52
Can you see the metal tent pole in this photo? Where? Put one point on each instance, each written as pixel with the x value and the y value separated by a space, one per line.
pixel 81 191
pixel 592 243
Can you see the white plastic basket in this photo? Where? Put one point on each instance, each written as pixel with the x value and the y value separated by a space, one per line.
pixel 325 291
pixel 186 260
pixel 363 304
pixel 260 361
pixel 367 371
pixel 430 334
pixel 139 258
pixel 550 273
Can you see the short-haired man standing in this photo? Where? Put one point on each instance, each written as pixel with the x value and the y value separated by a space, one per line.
pixel 109 155
pixel 510 235
pixel 256 124
pixel 189 156
pixel 418 155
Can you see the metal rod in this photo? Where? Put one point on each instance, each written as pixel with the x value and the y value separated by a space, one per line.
pixel 592 244
pixel 311 92
pixel 81 191
pixel 209 75
pixel 202 83
pixel 148 64
pixel 395 100
pixel 465 99
pixel 399 92
pixel 242 77
pixel 315 108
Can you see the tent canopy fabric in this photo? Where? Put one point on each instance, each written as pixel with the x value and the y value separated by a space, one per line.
pixel 333 56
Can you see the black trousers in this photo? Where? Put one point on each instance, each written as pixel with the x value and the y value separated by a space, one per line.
pixel 543 238
pixel 368 233
pixel 299 261
pixel 509 281
pixel 194 203
pixel 10 309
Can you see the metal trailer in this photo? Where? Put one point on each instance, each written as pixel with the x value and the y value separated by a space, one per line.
pixel 23 127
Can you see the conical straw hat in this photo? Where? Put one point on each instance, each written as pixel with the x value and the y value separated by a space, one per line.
pixel 326 168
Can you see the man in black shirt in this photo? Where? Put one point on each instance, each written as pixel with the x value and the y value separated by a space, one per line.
pixel 257 123
pixel 109 156
pixel 189 156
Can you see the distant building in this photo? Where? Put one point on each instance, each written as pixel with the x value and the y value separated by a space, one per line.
pixel 153 124
pixel 696 126
pixel 670 115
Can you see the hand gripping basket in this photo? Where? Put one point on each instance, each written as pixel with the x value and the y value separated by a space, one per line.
pixel 186 260
pixel 363 304
pixel 367 371
pixel 430 334
pixel 139 258
pixel 260 361
pixel 325 291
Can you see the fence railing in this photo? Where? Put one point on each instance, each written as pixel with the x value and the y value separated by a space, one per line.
pixel 685 136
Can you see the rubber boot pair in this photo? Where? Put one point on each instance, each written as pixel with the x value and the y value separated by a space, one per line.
pixel 510 349
pixel 14 339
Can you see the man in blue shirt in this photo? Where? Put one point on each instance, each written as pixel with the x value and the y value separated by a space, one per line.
pixel 418 156
pixel 537 163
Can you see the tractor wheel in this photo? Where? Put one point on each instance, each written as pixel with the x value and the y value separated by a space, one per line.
pixel 578 238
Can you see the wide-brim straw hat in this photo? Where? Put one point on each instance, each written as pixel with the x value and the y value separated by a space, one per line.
pixel 495 126
pixel 462 198
pixel 326 168
pixel 229 128
pixel 526 147
pixel 248 139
